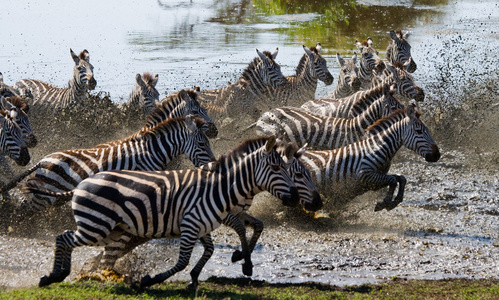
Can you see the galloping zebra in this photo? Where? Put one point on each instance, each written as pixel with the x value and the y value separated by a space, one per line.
pixel 11 139
pixel 348 80
pixel 250 92
pixel 309 200
pixel 166 204
pixel 55 97
pixel 399 50
pixel 147 149
pixel 370 63
pixel 20 117
pixel 302 86
pixel 398 72
pixel 355 104
pixel 321 132
pixel 144 96
pixel 352 170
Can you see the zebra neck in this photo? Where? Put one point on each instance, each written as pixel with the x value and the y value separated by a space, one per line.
pixel 370 115
pixel 77 87
pixel 388 141
pixel 342 90
pixel 366 74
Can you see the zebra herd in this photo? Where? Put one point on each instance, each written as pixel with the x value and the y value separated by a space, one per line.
pixel 122 193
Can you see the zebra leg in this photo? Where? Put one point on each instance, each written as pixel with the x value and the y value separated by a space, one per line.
pixel 400 194
pixel 118 249
pixel 187 241
pixel 257 226
pixel 208 251
pixel 389 203
pixel 238 226
pixel 62 262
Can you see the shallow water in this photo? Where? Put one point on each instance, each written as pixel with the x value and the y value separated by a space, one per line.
pixel 447 225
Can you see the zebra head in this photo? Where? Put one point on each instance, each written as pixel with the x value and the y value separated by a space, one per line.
pixel 195 109
pixel 145 89
pixel 272 174
pixel 84 71
pixel 417 136
pixel 390 103
pixel 349 74
pixel 18 109
pixel 11 139
pixel 197 146
pixel 310 198
pixel 406 86
pixel 317 65
pixel 399 50
pixel 268 69
pixel 369 59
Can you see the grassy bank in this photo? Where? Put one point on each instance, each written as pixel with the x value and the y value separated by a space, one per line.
pixel 225 288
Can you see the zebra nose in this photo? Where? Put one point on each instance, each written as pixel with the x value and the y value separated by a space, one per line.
pixel 316 203
pixel 329 79
pixel 212 131
pixel 380 66
pixel 419 94
pixel 434 156
pixel 92 83
pixel 412 67
pixel 356 83
pixel 24 157
pixel 32 141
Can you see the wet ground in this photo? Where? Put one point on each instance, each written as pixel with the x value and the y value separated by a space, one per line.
pixel 447 226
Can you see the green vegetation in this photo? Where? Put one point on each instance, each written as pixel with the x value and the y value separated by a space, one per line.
pixel 227 288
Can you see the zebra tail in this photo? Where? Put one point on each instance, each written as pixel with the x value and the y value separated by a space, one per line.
pixel 32 187
pixel 10 185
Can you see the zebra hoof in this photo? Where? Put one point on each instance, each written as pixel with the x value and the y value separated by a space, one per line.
pixel 380 206
pixel 44 281
pixel 145 282
pixel 237 256
pixel 248 268
pixel 391 205
pixel 193 286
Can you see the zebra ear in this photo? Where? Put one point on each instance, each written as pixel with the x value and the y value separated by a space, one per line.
pixel 370 42
pixel 340 60
pixel 354 58
pixel 197 90
pixel 280 139
pixel 393 35
pixel 139 80
pixel 318 46
pixel 274 55
pixel 263 57
pixel 359 45
pixel 4 104
pixel 407 34
pixel 393 88
pixel 154 81
pixel 300 151
pixel 75 57
pixel 271 141
pixel 407 63
pixel 308 51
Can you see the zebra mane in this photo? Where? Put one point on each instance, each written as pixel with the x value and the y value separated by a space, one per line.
pixel 147 78
pixel 303 60
pixel 19 103
pixel 365 43
pixel 399 33
pixel 386 121
pixel 242 150
pixel 398 65
pixel 158 113
pixel 247 73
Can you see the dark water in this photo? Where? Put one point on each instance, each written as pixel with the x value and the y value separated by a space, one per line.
pixel 448 224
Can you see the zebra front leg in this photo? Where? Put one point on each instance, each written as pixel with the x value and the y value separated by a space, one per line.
pixel 62 262
pixel 208 251
pixel 388 202
pixel 400 194
pixel 238 226
pixel 257 226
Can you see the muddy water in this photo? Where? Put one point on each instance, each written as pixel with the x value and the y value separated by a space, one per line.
pixel 447 225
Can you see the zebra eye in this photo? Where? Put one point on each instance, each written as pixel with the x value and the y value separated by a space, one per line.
pixel 419 131
pixel 299 175
pixel 275 167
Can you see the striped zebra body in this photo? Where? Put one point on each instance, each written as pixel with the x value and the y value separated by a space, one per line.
pixel 144 96
pixel 6 90
pixel 250 93
pixel 45 94
pixel 406 86
pixel 148 149
pixel 399 50
pixel 301 87
pixel 18 108
pixel 348 81
pixel 321 132
pixel 184 203
pixel 11 139
pixel 309 200
pixel 352 170
pixel 370 63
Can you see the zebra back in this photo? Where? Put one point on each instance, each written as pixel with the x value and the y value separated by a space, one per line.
pixel 399 50
pixel 19 109
pixel 348 80
pixel 11 139
pixel 406 86
pixel 370 62
pixel 144 96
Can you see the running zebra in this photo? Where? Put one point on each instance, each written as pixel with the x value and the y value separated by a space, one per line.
pixel 370 62
pixel 355 104
pixel 310 200
pixel 399 50
pixel 148 149
pixel 11 139
pixel 45 94
pixel 348 80
pixel 19 110
pixel 168 204
pixel 352 170
pixel 250 92
pixel 144 96
pixel 302 86
pixel 324 133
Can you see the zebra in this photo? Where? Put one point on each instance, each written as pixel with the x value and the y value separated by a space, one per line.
pixel 355 104
pixel 399 50
pixel 147 149
pixel 324 133
pixel 309 197
pixel 144 96
pixel 45 94
pixel 250 92
pixel 348 80
pixel 6 90
pixel 352 170
pixel 20 117
pixel 370 63
pixel 302 86
pixel 11 139
pixel 166 204
pixel 398 71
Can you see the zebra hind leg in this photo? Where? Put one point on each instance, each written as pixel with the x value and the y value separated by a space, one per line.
pixel 208 251
pixel 62 261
